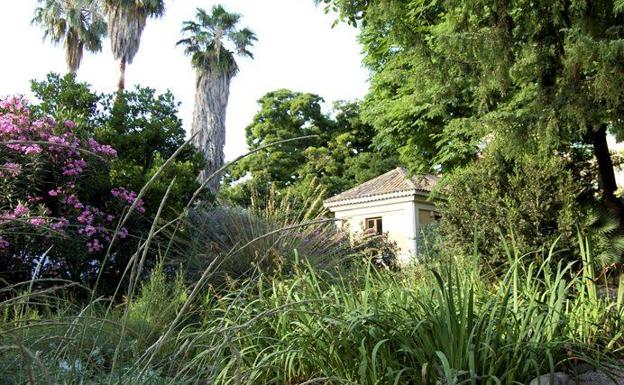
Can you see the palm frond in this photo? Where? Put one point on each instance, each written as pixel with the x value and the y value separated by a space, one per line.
pixel 204 38
pixel 126 21
pixel 77 24
pixel 243 39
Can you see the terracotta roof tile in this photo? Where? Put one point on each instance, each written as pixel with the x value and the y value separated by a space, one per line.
pixel 393 181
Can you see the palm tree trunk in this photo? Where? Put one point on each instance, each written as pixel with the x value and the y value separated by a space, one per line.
pixel 211 98
pixel 121 86
pixel 607 175
pixel 73 51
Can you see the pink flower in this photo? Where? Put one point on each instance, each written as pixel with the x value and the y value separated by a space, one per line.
pixel 122 233
pixel 73 201
pixel 38 124
pixel 90 230
pixel 34 199
pixel 20 210
pixel 86 217
pixel 37 221
pixel 69 124
pixel 129 197
pixel 53 193
pixel 5 217
pixel 60 225
pixel 74 167
pixel 32 149
pixel 101 148
pixel 94 246
pixel 13 169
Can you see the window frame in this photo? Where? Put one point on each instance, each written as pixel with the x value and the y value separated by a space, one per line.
pixel 377 225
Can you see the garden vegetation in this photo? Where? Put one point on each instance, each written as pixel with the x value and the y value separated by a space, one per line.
pixel 132 254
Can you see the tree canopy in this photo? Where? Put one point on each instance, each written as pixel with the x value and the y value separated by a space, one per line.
pixel 449 77
pixel 206 38
pixel 337 156
pixel 143 127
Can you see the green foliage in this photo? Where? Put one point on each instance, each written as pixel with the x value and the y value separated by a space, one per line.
pixel 528 201
pixel 65 99
pixel 531 201
pixel 451 78
pixel 544 68
pixel 421 100
pixel 338 156
pixel 143 127
pixel 156 305
pixel 448 325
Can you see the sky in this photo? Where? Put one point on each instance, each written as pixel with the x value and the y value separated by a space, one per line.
pixel 297 49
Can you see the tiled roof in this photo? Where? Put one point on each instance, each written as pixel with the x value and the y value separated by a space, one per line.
pixel 397 180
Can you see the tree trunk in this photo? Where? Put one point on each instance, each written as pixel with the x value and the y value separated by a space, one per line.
pixel 607 174
pixel 121 86
pixel 211 98
pixel 73 52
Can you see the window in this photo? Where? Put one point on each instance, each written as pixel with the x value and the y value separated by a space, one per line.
pixel 374 225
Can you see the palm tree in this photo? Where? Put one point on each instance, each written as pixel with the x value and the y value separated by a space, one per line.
pixel 205 40
pixel 126 21
pixel 78 24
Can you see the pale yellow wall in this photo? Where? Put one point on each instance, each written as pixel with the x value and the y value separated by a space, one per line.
pixel 399 217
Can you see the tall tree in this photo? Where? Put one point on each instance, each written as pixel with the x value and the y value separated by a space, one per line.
pixel 338 156
pixel 126 21
pixel 453 74
pixel 206 40
pixel 77 24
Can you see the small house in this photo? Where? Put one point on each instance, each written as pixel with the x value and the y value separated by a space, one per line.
pixel 394 203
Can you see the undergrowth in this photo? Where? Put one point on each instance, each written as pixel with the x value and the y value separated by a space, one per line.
pixel 418 326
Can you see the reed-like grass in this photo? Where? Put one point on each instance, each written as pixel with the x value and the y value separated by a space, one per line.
pixel 414 327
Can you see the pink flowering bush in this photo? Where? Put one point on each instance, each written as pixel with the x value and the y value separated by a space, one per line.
pixel 55 194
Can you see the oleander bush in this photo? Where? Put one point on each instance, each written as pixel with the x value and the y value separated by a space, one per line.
pixel 143 126
pixel 78 162
pixel 58 209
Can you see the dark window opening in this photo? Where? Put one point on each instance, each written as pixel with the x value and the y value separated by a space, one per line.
pixel 374 225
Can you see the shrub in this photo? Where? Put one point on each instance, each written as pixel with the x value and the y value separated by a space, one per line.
pixel 57 208
pixel 143 127
pixel 376 249
pixel 156 305
pixel 530 201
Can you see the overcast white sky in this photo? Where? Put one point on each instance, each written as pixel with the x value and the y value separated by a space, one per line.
pixel 297 49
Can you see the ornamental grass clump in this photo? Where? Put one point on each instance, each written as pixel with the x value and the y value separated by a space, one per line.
pixel 270 237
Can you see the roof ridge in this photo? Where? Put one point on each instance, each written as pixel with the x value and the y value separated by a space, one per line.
pixel 395 180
